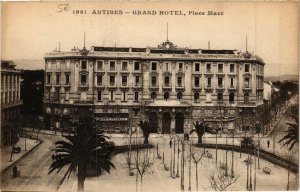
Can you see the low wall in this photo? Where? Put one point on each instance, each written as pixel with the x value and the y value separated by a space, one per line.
pixel 262 154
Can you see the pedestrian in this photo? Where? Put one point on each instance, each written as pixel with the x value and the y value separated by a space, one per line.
pixel 268 142
pixel 15 171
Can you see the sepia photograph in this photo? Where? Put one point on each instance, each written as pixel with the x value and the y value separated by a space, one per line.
pixel 149 96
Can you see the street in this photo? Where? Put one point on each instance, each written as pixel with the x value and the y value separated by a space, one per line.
pixel 34 169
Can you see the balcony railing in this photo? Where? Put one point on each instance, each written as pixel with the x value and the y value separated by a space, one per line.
pixel 11 104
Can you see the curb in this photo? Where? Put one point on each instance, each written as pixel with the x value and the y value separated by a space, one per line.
pixel 29 151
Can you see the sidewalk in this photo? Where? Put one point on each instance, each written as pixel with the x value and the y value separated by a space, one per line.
pixel 6 152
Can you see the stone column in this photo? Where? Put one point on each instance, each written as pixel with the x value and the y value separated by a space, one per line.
pixel 4 88
pixel 8 88
pixel 159 122
pixel 16 88
pixel 173 122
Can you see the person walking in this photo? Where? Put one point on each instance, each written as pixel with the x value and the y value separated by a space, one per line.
pixel 268 143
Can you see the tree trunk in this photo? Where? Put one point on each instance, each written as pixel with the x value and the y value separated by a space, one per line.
pixel 197 176
pixel 81 177
pixel 146 141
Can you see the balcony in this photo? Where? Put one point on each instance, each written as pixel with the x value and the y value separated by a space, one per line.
pixel 220 87
pixel 232 88
pixel 179 87
pixel 246 104
pixel 196 87
pixel 166 86
pixel 247 88
pixel 12 104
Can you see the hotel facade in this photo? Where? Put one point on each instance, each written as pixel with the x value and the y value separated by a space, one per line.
pixel 171 87
pixel 10 102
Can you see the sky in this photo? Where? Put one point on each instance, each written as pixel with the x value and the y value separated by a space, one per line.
pixel 30 29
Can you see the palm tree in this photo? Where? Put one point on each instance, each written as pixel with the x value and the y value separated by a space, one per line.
pixel 83 149
pixel 292 133
pixel 200 130
pixel 292 136
pixel 146 128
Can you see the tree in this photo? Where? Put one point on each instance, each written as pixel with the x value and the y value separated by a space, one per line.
pixel 143 164
pixel 197 157
pixel 219 181
pixel 146 128
pixel 292 133
pixel 200 130
pixel 82 149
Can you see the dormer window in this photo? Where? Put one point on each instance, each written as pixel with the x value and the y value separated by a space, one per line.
pixel 99 65
pixel 197 67
pixel 180 66
pixel 208 67
pixel 112 65
pixel 124 66
pixel 154 66
pixel 220 68
pixel 136 66
pixel 247 68
pixel 84 65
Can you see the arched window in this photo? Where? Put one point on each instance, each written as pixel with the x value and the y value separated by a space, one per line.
pixel 166 95
pixel 153 95
pixel 196 96
pixel 231 97
pixel 246 98
pixel 220 97
pixel 179 95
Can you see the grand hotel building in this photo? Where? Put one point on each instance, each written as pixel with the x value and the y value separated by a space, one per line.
pixel 171 87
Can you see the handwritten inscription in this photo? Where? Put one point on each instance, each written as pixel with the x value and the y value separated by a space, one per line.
pixel 63 7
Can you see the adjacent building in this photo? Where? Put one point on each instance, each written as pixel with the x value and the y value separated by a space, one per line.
pixel 10 103
pixel 172 87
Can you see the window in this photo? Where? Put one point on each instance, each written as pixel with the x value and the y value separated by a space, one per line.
pixel 99 96
pixel 220 82
pixel 167 81
pixel 112 80
pixel 153 66
pixel 112 65
pixel 83 65
pixel 48 79
pixel 247 83
pixel 196 96
pixel 111 95
pixel 179 95
pixel 247 68
pixel 196 81
pixel 124 66
pixel 124 80
pixel 153 80
pixel 231 97
pixel 57 79
pixel 57 95
pixel 231 82
pixel 208 82
pixel 246 98
pixel 167 66
pixel 67 79
pixel 180 67
pixel 231 68
pixel 208 67
pixel 197 66
pixel 179 81
pixel 83 79
pixel 220 68
pixel 166 95
pixel 136 66
pixel 124 95
pixel 153 95
pixel 99 80
pixel 99 65
pixel 136 96
pixel 220 97
pixel 137 80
